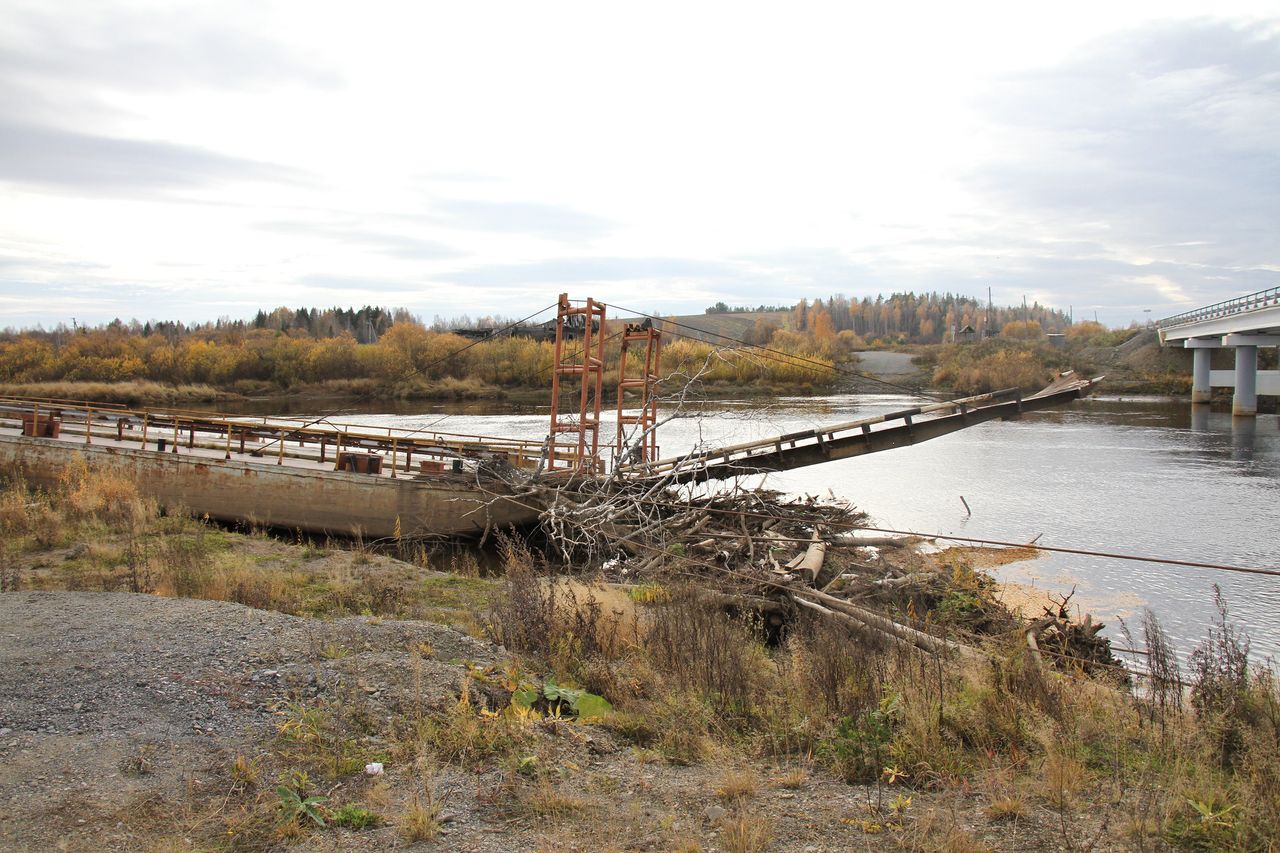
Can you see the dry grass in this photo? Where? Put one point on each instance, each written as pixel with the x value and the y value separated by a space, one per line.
pixel 1005 809
pixel 118 541
pixel 792 780
pixel 996 364
pixel 743 833
pixel 702 685
pixel 737 784
pixel 547 800
pixel 419 821
pixel 137 392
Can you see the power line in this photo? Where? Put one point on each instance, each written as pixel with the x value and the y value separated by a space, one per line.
pixel 814 364
pixel 806 592
pixel 987 542
pixel 369 395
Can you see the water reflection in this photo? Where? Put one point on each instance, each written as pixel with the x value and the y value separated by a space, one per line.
pixel 1244 435
pixel 1200 418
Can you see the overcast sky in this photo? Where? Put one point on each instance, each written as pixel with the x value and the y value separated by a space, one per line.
pixel 194 160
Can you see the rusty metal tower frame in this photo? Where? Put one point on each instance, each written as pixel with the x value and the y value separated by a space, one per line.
pixel 646 386
pixel 590 371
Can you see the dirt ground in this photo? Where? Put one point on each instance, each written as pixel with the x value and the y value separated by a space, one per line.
pixel 121 714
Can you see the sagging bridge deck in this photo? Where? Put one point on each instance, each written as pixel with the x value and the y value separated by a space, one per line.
pixel 331 478
pixel 856 438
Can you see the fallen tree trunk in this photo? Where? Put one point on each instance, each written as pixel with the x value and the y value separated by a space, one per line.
pixel 811 563
pixel 884 624
pixel 876 541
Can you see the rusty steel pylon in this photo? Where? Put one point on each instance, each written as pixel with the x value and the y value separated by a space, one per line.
pixel 589 321
pixel 644 385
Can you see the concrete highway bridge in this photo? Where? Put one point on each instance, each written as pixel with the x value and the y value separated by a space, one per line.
pixel 1242 324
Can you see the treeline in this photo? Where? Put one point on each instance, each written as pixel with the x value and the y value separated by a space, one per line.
pixel 294 349
pixel 722 308
pixel 390 349
pixel 925 318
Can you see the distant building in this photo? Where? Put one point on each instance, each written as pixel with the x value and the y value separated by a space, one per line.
pixel 966 334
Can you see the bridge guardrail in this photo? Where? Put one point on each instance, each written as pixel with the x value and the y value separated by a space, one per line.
pixel 1261 299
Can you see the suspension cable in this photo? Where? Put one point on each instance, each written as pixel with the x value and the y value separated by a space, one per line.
pixel 815 365
pixel 983 542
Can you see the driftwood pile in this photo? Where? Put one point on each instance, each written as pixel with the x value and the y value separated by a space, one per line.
pixel 754 550
pixel 1061 638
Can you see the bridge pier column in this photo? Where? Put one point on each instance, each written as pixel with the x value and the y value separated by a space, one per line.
pixel 1201 392
pixel 1244 403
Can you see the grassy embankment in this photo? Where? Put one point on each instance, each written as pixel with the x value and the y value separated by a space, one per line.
pixel 1042 747
pixel 1132 360
pixel 407 362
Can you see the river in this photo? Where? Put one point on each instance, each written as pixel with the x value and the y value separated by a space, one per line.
pixel 1135 476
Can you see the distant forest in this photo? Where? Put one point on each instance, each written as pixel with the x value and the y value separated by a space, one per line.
pixel 390 348
pixel 926 318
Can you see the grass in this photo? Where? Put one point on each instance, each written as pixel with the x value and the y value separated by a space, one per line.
pixel 743 833
pixel 1194 761
pixel 701 684
pixel 132 393
pixel 92 532
pixel 420 820
pixel 736 784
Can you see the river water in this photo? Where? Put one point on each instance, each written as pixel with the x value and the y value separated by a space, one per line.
pixel 1134 476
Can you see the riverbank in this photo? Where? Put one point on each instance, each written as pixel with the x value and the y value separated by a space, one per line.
pixel 337 394
pixel 177 686
pixel 1137 365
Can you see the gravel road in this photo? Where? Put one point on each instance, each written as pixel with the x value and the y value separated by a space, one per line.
pixel 109 700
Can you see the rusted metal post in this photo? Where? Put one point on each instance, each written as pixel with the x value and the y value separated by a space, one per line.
pixel 591 374
pixel 191 435
pixel 176 433
pixel 242 432
pixel 88 425
pixel 323 442
pixel 35 420
pixel 646 385
pixel 280 455
pixel 393 458
pixel 228 455
pixel 144 430
pixel 119 429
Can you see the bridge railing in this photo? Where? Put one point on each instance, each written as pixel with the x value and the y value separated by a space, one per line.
pixel 1261 299
pixel 253 434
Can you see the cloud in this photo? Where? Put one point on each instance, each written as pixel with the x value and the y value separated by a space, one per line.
pixel 46 157
pixel 536 220
pixel 589 269
pixel 158 48
pixel 400 246
pixel 1162 136
pixel 357 287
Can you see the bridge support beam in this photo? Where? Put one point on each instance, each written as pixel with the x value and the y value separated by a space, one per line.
pixel 1201 368
pixel 1244 403
pixel 1201 392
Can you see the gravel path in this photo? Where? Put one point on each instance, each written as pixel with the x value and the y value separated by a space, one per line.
pixel 118 711
pixel 889 365
pixel 108 700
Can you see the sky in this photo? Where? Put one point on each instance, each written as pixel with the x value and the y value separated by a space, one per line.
pixel 196 160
